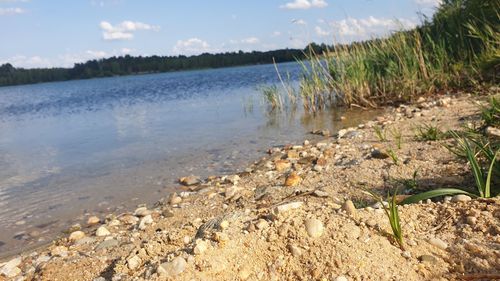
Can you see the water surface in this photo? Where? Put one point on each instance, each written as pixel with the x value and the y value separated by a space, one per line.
pixel 72 148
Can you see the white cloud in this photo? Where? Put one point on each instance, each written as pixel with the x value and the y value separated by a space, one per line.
pixel 191 46
pixel 250 40
pixel 276 33
pixel 304 4
pixel 124 30
pixel 126 51
pixel 11 11
pixel 96 54
pixel 299 21
pixel 359 29
pixel 27 61
pixel 320 32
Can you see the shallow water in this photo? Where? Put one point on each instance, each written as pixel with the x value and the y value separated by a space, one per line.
pixel 101 145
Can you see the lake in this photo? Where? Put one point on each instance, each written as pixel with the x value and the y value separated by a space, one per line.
pixel 95 146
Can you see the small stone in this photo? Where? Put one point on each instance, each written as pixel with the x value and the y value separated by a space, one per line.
pixel 314 227
pixel 59 251
pixel 167 213
pixel 93 220
pixel 406 255
pixel 341 278
pixel 293 179
pixel 294 250
pixel 427 258
pixel 220 237
pixel 233 179
pixel 100 278
pixel 200 247
pixel 76 235
pixel 325 133
pixel 493 132
pixel 114 222
pixel 342 133
pixel 471 220
pixel 102 231
pixel 318 168
pixel 306 143
pixel 262 224
pixel 129 219
pixel 142 212
pixel 224 224
pixel 292 154
pixel 460 198
pixel 438 243
pixel 134 262
pixel 189 180
pixel 287 207
pixel 175 200
pixel 349 208
pixel 11 269
pixel 145 221
pixel 282 165
pixel 320 193
pixel 173 268
pixel 107 244
pixel 379 154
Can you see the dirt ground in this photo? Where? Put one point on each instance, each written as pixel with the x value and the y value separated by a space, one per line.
pixel 300 214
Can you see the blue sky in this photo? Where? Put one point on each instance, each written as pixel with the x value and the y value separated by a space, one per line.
pixel 49 33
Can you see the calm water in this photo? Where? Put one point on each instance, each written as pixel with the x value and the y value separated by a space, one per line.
pixel 91 146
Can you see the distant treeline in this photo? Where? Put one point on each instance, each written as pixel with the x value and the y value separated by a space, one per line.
pixel 127 65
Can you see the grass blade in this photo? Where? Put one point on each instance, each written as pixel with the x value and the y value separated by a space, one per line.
pixel 434 193
pixel 487 189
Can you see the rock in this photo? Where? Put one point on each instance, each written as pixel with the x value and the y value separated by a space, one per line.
pixel 287 207
pixel 129 219
pixel 102 231
pixel 220 237
pixel 293 179
pixel 107 244
pixel 427 258
pixel 93 220
pixel 314 227
pixel 134 262
pixel 85 240
pixel 142 212
pixel 318 168
pixel 59 251
pixel 200 247
pixel 76 235
pixel 471 220
pixel 349 208
pixel 174 200
pixel 262 224
pixel 282 165
pixel 114 222
pixel 173 268
pixel 232 192
pixel 100 278
pixel 292 154
pixel 341 278
pixel 325 133
pixel 11 269
pixel 460 198
pixel 306 143
pixel 233 179
pixel 406 255
pixel 438 243
pixel 342 133
pixel 167 213
pixel 379 154
pixel 294 250
pixel 189 180
pixel 321 161
pixel 224 224
pixel 493 132
pixel 145 221
pixel 320 193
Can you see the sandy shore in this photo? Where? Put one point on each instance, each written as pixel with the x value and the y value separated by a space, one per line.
pixel 299 214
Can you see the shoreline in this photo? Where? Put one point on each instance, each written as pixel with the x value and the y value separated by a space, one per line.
pixel 287 216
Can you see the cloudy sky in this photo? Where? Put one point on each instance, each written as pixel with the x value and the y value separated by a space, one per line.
pixel 38 33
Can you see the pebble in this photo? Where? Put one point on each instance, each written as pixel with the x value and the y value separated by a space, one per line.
pixel 107 244
pixel 145 221
pixel 114 222
pixel 221 237
pixel 102 231
pixel 11 269
pixel 233 179
pixel 320 193
pixel 93 220
pixel 318 168
pixel 76 235
pixel 167 213
pixel 287 207
pixel 134 262
pixel 175 200
pixel 427 258
pixel 189 180
pixel 282 165
pixel 314 227
pixel 471 220
pixel 438 243
pixel 293 179
pixel 349 208
pixel 341 278
pixel 294 250
pixel 406 255
pixel 100 278
pixel 200 247
pixel 460 198
pixel 224 224
pixel 173 268
pixel 142 212
pixel 129 219
pixel 493 132
pixel 262 224
pixel 292 154
pixel 59 251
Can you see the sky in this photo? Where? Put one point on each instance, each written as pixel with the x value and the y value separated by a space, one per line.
pixel 59 33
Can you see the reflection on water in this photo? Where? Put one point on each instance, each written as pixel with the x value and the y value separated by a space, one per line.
pixel 108 144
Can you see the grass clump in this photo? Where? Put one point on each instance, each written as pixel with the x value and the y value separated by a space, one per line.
pixel 428 132
pixel 491 114
pixel 393 156
pixel 398 137
pixel 380 133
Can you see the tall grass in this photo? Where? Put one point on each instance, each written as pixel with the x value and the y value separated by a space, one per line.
pixel 457 48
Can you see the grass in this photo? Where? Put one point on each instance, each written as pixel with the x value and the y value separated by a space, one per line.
pixel 398 137
pixel 380 133
pixel 428 132
pixel 392 213
pixel 490 114
pixel 458 48
pixel 393 156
